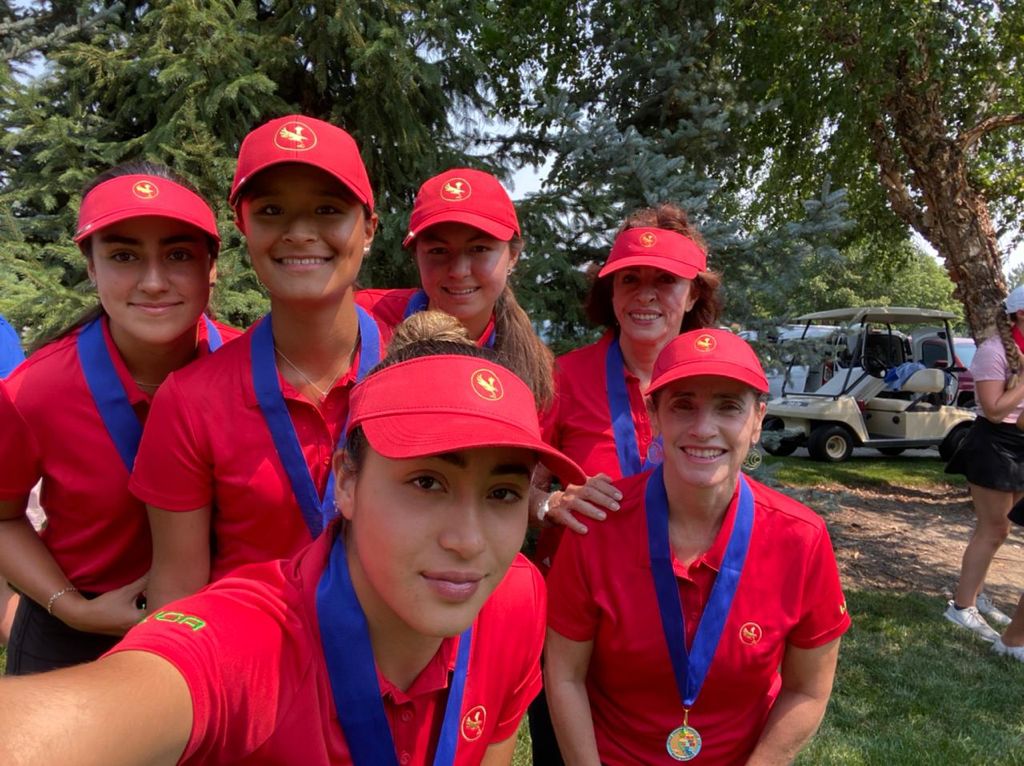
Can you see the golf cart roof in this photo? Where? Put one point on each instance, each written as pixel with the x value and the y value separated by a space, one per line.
pixel 877 314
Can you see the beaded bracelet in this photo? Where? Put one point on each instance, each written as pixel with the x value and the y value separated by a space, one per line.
pixel 57 595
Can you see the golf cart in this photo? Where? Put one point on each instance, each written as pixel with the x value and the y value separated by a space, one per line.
pixel 847 401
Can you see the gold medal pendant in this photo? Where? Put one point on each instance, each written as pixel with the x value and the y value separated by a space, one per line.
pixel 683 744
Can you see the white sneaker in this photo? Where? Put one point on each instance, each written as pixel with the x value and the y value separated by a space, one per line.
pixel 991 611
pixel 970 618
pixel 1015 652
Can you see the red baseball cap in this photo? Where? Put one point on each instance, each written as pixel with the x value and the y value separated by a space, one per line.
pixel 306 140
pixel 661 248
pixel 708 352
pixel 464 195
pixel 444 403
pixel 135 196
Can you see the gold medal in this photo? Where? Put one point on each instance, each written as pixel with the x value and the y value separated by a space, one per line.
pixel 683 744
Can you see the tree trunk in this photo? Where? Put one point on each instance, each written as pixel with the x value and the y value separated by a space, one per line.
pixel 941 204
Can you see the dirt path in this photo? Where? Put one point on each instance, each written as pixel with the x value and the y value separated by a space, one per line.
pixel 911 539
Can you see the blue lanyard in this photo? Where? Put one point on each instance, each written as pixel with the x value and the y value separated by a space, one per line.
pixel 213 339
pixel 316 509
pixel 419 301
pixel 623 427
pixel 345 638
pixel 691 668
pixel 108 392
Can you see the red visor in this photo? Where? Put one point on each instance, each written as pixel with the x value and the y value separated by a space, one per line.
pixel 446 403
pixel 708 352
pixel 305 140
pixel 140 195
pixel 463 195
pixel 663 249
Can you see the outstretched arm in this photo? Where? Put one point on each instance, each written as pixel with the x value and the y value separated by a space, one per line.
pixel 129 708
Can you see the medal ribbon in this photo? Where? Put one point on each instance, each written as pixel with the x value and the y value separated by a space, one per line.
pixel 345 637
pixel 623 427
pixel 108 392
pixel 691 668
pixel 419 301
pixel 316 510
pixel 213 339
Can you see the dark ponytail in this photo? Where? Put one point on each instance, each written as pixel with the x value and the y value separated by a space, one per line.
pixel 516 340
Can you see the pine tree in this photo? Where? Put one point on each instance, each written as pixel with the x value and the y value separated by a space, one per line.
pixel 181 82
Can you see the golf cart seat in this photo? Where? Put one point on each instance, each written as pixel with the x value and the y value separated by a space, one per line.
pixel 920 384
pixel 862 386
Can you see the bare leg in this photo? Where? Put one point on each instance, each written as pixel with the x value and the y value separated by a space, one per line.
pixel 1014 634
pixel 8 606
pixel 991 529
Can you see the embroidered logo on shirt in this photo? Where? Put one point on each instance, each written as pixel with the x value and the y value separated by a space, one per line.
pixel 188 620
pixel 295 136
pixel 750 633
pixel 486 385
pixel 145 190
pixel 648 240
pixel 473 723
pixel 456 190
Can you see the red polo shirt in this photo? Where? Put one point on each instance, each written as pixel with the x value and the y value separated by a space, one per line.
pixel 601 590
pixel 207 443
pixel 15 460
pixel 249 649
pixel 580 423
pixel 388 307
pixel 97 532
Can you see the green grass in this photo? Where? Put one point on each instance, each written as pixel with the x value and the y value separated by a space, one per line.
pixel 861 471
pixel 913 689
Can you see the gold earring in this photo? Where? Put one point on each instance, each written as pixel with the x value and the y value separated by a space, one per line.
pixel 753 460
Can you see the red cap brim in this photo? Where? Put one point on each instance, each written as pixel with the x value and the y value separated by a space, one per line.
pixel 487 225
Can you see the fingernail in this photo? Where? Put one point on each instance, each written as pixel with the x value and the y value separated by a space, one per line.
pixel 601 516
pixel 615 506
pixel 618 495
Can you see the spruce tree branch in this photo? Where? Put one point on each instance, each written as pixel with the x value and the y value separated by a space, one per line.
pixel 891 176
pixel 970 137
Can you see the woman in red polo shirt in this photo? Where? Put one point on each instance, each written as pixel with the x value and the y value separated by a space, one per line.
pixel 150 244
pixel 705 616
pixel 464 234
pixel 234 465
pixel 405 635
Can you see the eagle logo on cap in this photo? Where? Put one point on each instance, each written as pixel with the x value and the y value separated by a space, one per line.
pixel 456 190
pixel 145 190
pixel 295 136
pixel 473 723
pixel 751 633
pixel 486 385
pixel 705 343
pixel 647 239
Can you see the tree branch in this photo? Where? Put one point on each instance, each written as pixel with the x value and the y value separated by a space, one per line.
pixel 970 137
pixel 891 176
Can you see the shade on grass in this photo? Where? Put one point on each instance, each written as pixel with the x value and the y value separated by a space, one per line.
pixel 914 689
pixel 861 471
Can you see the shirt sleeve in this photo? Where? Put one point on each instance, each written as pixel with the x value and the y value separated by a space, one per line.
pixel 989 361
pixel 173 468
pixel 523 694
pixel 20 461
pixel 823 614
pixel 572 611
pixel 231 651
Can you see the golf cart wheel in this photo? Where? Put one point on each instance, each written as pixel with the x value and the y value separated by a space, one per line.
pixel 776 448
pixel 831 444
pixel 953 440
pixel 891 451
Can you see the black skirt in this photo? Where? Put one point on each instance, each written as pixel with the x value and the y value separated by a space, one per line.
pixel 991 456
pixel 40 642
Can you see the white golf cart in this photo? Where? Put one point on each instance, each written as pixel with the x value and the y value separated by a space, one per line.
pixel 845 402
